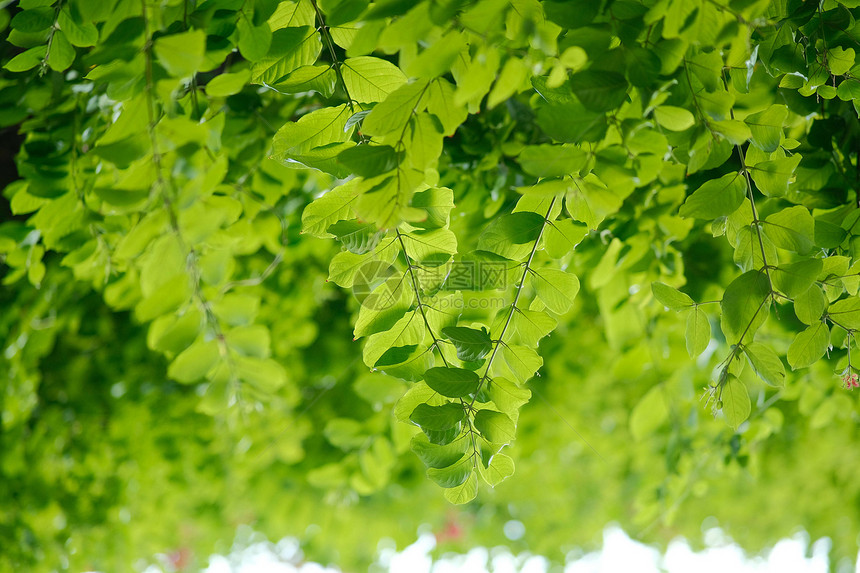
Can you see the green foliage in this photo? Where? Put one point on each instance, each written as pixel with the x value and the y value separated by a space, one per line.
pixel 490 189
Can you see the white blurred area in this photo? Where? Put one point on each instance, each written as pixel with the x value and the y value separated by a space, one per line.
pixel 619 554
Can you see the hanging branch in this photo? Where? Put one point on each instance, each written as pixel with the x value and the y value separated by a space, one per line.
pixel 162 184
pixel 326 34
pixel 514 308
pixel 436 342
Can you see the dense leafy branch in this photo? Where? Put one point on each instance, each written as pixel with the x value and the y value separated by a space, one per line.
pixel 163 254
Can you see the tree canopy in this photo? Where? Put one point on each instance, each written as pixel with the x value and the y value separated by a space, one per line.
pixel 334 268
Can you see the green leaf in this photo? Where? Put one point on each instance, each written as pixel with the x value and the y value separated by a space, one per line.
pixel 735 132
pixel 409 330
pixel 370 79
pixel 707 67
pixel 181 54
pixel 237 309
pixel 736 402
pixel 452 382
pixel 386 199
pixel 512 236
pixel 431 246
pixel 319 128
pixel 62 53
pixel 438 418
pixel 334 206
pixel 369 160
pixel 437 202
pixel 471 344
pixel 265 375
pixel 377 390
pixel 33 20
pixel 824 91
pixel 321 79
pixel 291 49
pixel 716 198
pixel 571 122
pixel 643 66
pixel 808 346
pixel 510 81
pixel 828 235
pixel 532 326
pixel 345 433
pixel 498 470
pixel 405 362
pixel 80 34
pixel 254 41
pixel 453 475
pixel 591 201
pixel 463 493
pixel 343 11
pixel 599 90
pixel 436 456
pixel 394 111
pixel 252 340
pixel 174 333
pixel 507 396
pixel 792 229
pixel 194 362
pixel 744 305
pixel 437 59
pixel 846 313
pixel 358 238
pixel 418 394
pixel 523 361
pixel 810 305
pixel 383 306
pixel 649 413
pixel 228 84
pixel 848 90
pixel 773 177
pixel 840 60
pixel 766 127
pixel 571 13
pixel 315 140
pixel 670 297
pixel 496 427
pixel 440 102
pixel 552 160
pixel 556 289
pixel 561 237
pixel 26 60
pixel 698 332
pixel 424 142
pixel 766 363
pixel 546 188
pixel 443 437
pixel 796 278
pixel 674 118
pixel 167 297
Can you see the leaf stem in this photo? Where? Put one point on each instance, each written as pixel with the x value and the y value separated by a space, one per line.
pixel 161 183
pixel 326 34
pixel 696 100
pixel 526 270
pixel 753 208
pixel 409 267
pixel 54 27
pixel 436 341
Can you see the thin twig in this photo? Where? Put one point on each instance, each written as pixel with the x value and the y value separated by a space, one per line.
pixel 526 270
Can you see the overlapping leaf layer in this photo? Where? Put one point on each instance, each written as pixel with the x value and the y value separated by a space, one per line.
pixel 192 173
